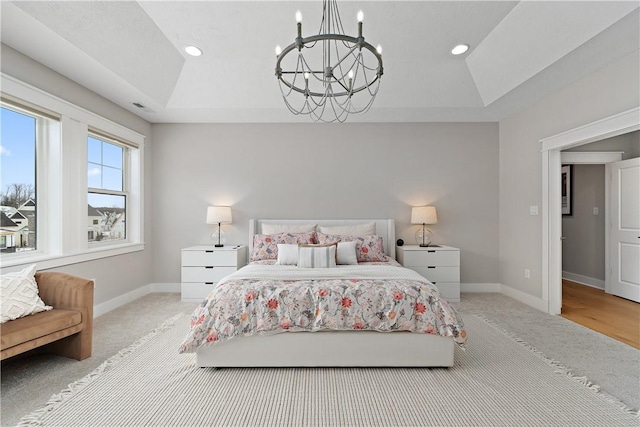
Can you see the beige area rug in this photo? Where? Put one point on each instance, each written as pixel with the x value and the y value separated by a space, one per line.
pixel 497 381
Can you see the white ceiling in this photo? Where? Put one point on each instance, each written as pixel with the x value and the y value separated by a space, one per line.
pixel 132 51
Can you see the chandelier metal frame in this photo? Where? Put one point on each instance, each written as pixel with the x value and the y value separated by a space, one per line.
pixel 328 89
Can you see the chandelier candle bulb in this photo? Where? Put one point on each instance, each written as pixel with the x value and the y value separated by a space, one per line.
pixel 360 18
pixel 278 50
pixel 299 23
pixel 379 50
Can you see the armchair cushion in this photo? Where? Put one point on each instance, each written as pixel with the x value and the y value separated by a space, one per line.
pixel 34 327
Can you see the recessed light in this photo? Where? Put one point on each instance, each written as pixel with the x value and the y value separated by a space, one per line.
pixel 460 49
pixel 193 50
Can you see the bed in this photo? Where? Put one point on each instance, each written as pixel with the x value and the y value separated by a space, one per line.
pixel 267 315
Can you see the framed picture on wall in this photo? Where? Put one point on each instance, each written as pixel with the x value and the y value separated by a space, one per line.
pixel 567 189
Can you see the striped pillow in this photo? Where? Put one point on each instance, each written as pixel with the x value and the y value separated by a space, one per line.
pixel 317 256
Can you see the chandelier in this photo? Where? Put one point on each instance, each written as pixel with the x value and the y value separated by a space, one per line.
pixel 329 75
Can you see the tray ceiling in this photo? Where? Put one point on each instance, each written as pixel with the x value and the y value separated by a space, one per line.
pixel 134 52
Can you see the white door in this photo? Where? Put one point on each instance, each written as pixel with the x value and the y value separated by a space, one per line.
pixel 624 238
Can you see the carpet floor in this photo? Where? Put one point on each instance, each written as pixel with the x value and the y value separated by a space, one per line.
pixel 29 382
pixel 497 381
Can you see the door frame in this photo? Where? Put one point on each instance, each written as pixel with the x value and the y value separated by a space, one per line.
pixel 618 124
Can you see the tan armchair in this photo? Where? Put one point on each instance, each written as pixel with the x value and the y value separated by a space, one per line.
pixel 66 330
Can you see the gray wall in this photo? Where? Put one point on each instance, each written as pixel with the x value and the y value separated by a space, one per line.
pixel 604 93
pixel 628 143
pixel 327 171
pixel 348 171
pixel 583 248
pixel 119 274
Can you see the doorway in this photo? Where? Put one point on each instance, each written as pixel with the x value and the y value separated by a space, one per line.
pixel 584 219
pixel 590 190
pixel 628 121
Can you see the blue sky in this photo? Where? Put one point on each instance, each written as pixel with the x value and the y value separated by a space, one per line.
pixel 17 149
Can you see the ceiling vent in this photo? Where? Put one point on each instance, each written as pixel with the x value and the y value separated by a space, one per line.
pixel 143 108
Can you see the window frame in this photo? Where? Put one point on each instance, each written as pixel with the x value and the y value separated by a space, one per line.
pixel 62 192
pixel 126 152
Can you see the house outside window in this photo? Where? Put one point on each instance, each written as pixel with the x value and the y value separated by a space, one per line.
pixel 107 192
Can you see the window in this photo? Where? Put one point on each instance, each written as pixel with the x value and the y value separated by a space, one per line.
pixel 107 198
pixel 88 173
pixel 18 223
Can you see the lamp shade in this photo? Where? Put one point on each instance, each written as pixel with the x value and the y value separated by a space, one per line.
pixel 218 214
pixel 424 215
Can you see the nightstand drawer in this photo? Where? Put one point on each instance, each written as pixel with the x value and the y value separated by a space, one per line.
pixel 207 258
pixel 205 274
pixel 428 257
pixel 450 291
pixel 439 274
pixel 195 291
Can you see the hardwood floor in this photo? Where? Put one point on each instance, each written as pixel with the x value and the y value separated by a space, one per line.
pixel 613 316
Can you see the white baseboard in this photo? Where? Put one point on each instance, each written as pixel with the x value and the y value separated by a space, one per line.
pixel 584 280
pixel 480 287
pixel 112 304
pixel 535 302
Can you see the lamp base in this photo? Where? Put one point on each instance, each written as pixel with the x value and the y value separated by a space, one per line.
pixel 424 238
pixel 217 245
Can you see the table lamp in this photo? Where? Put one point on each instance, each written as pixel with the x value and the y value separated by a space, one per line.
pixel 424 215
pixel 219 215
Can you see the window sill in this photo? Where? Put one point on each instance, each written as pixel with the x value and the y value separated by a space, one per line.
pixel 47 261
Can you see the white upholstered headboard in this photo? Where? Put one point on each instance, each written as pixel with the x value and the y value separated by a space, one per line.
pixel 385 228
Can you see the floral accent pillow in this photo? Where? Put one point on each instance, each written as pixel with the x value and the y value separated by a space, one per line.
pixel 265 246
pixel 368 248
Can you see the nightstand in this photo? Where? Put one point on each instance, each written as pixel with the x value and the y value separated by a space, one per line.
pixel 439 264
pixel 203 266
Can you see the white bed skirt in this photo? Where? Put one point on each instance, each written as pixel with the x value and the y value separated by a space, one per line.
pixel 331 348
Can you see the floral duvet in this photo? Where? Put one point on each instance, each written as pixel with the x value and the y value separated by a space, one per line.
pixel 268 299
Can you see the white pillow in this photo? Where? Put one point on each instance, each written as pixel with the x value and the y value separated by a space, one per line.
pixel 287 228
pixel 346 253
pixel 19 295
pixel 287 254
pixel 312 256
pixel 366 229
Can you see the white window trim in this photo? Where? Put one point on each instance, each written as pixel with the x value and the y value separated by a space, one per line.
pixel 64 242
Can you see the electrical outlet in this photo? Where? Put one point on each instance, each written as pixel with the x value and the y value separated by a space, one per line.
pixel 527 273
pixel 596 211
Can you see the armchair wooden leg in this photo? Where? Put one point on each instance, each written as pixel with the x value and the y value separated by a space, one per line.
pixel 76 346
